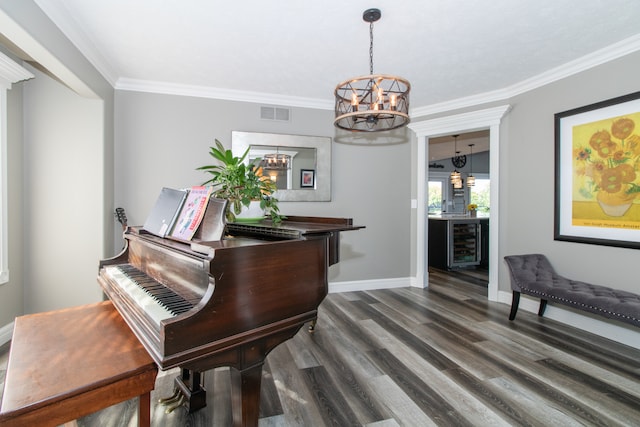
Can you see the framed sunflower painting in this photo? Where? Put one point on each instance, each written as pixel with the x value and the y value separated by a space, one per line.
pixel 597 191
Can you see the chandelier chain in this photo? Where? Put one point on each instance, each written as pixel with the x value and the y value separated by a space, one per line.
pixel 371 48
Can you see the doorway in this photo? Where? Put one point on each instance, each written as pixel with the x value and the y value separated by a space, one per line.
pixel 466 122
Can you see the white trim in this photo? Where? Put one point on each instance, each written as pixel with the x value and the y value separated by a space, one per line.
pixel 10 72
pixel 473 120
pixel 219 93
pixel 627 335
pixel 4 217
pixel 422 215
pixel 464 122
pixel 599 57
pixel 70 28
pixel 63 19
pixel 6 332
pixel 18 36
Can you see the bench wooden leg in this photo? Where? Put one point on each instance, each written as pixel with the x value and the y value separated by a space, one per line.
pixel 144 410
pixel 543 305
pixel 514 305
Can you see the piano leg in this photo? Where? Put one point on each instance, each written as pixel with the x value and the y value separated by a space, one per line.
pixel 245 396
pixel 188 392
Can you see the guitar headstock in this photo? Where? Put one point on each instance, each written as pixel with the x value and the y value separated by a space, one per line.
pixel 121 216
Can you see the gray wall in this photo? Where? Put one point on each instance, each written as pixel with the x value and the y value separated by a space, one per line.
pixel 60 187
pixel 162 139
pixel 12 292
pixel 527 176
pixel 62 181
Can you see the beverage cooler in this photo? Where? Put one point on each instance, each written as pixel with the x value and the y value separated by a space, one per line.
pixel 455 243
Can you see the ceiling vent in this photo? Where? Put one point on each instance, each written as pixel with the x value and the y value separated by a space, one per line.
pixel 275 113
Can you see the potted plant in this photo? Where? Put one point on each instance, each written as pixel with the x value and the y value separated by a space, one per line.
pixel 241 183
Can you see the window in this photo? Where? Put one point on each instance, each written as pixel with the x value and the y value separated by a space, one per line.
pixel 479 194
pixel 435 197
pixel 442 199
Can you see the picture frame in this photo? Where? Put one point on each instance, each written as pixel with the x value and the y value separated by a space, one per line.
pixel 597 173
pixel 307 178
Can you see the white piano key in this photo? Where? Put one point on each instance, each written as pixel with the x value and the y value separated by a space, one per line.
pixel 146 302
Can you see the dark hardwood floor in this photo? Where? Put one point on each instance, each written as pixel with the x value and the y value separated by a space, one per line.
pixel 413 357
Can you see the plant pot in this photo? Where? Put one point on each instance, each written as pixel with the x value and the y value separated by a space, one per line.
pixel 614 210
pixel 614 204
pixel 251 213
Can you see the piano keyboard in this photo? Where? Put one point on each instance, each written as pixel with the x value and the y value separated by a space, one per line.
pixel 155 299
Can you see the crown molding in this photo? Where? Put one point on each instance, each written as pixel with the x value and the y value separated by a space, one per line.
pixel 63 19
pixel 38 53
pixel 471 120
pixel 218 93
pixel 599 57
pixel 11 72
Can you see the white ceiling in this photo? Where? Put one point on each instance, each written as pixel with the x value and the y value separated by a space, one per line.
pixel 294 52
pixel 444 147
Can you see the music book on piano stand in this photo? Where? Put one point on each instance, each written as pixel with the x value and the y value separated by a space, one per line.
pixel 165 211
pixel 191 213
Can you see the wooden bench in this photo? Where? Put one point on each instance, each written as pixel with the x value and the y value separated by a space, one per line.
pixel 70 363
pixel 532 274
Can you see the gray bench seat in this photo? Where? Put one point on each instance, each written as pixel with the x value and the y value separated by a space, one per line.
pixel 532 274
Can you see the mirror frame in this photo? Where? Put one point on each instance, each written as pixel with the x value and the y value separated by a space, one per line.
pixel 240 141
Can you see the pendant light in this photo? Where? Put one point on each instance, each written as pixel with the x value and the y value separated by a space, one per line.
pixel 455 177
pixel 471 180
pixel 372 103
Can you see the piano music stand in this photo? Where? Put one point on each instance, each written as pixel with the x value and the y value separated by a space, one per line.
pixel 70 363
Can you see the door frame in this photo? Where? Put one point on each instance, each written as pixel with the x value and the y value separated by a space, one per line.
pixel 489 118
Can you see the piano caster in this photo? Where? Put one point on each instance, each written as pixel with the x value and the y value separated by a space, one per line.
pixel 312 325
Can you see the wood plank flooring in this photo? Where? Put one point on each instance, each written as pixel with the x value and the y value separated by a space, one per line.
pixel 411 357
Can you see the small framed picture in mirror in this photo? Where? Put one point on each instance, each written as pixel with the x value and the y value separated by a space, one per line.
pixel 307 178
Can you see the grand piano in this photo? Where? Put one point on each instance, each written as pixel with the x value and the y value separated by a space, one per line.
pixel 229 301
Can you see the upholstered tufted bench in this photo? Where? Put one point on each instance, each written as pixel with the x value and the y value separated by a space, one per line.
pixel 532 274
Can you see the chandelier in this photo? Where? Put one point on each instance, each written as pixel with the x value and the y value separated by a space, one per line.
pixel 276 161
pixel 373 103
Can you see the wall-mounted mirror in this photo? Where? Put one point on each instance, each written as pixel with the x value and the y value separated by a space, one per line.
pixel 299 165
